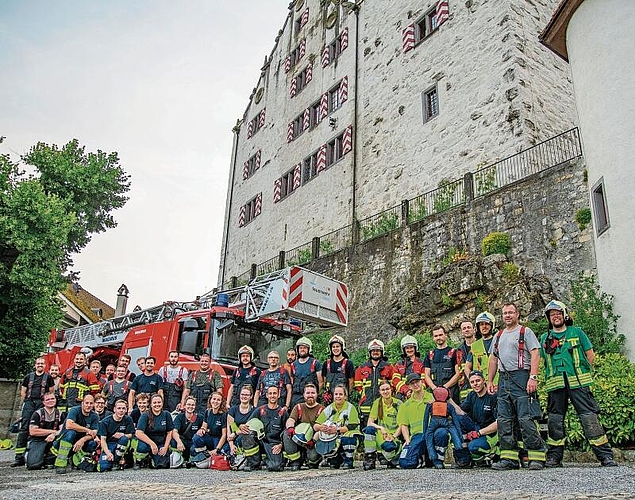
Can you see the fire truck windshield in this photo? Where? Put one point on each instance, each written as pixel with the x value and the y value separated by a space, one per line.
pixel 228 336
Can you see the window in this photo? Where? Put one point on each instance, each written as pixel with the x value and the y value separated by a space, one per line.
pixel 333 50
pixel 426 25
pixel 251 210
pixel 315 116
pixel 309 168
pixel 297 25
pixel 251 165
pixel 430 104
pixel 303 78
pixel 334 99
pixel 600 208
pixel 334 150
pixel 287 186
pixel 255 125
pixel 298 129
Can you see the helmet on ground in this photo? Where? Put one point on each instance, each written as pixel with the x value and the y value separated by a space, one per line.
pixel 336 339
pixel 203 463
pixel 176 460
pixel 327 449
pixel 484 317
pixel 237 461
pixel 556 305
pixel 409 341
pixel 246 350
pixel 323 436
pixel 256 426
pixel 306 342
pixel 303 433
pixel 376 345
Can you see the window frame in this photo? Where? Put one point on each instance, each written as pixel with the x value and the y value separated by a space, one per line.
pixel 601 218
pixel 250 210
pixel 301 82
pixel 286 184
pixel 334 150
pixel 310 164
pixel 252 165
pixel 429 23
pixel 298 128
pixel 430 110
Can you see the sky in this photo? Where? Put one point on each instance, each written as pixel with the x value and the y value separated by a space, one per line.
pixel 160 82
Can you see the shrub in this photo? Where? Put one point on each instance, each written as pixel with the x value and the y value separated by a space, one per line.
pixel 495 243
pixel 510 271
pixel 583 218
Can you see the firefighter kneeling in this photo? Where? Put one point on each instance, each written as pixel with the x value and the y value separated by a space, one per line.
pixel 298 440
pixel 382 433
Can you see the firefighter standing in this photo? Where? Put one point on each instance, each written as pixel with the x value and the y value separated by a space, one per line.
pixel 304 370
pixel 337 369
pixel 410 362
pixel 202 383
pixel 442 364
pixel 246 374
pixel 568 356
pixel 478 358
pixel 76 383
pixel 174 377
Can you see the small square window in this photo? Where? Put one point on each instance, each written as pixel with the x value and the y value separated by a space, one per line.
pixel 600 208
pixel 430 104
pixel 425 26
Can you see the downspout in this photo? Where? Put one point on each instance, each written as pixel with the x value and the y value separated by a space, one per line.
pixel 355 8
pixel 236 131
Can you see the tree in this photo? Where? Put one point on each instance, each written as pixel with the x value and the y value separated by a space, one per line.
pixel 46 216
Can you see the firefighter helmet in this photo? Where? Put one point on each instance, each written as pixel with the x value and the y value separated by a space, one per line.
pixel 484 317
pixel 176 460
pixel 303 433
pixel 246 350
pixel 256 427
pixel 336 339
pixel 409 341
pixel 376 345
pixel 556 305
pixel 306 342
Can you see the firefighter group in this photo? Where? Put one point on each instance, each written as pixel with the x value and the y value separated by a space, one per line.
pixel 478 399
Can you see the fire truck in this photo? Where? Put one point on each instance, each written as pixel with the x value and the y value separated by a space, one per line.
pixel 269 313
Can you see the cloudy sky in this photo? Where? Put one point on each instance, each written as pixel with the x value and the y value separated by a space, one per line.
pixel 160 82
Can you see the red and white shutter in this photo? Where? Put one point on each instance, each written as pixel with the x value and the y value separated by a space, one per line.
pixel 277 189
pixel 344 39
pixel 306 119
pixel 246 169
pixel 241 217
pixel 295 286
pixel 409 37
pixel 287 64
pixel 302 48
pixel 257 166
pixel 292 89
pixel 309 72
pixel 261 118
pixel 290 132
pixel 321 158
pixel 347 140
pixel 326 56
pixel 258 205
pixel 443 12
pixel 297 176
pixel 324 106
pixel 343 90
pixel 305 18
pixel 341 306
pixel 250 129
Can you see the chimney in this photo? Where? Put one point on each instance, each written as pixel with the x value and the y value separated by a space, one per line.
pixel 122 300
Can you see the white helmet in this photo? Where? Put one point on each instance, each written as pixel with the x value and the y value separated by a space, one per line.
pixel 176 460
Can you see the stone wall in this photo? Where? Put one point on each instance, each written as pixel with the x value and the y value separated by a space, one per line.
pixel 9 406
pixel 408 280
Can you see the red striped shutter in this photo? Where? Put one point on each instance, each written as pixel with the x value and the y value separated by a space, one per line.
pixel 409 37
pixel 324 105
pixel 343 90
pixel 261 118
pixel 292 90
pixel 287 64
pixel 306 119
pixel 290 132
pixel 344 39
pixel 326 56
pixel 257 166
pixel 302 48
pixel 347 140
pixel 250 129
pixel 297 176
pixel 321 158
pixel 277 189
pixel 305 18
pixel 258 207
pixel 309 72
pixel 246 170
pixel 443 12
pixel 241 217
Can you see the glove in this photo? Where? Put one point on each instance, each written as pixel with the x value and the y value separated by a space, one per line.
pixel 327 398
pixel 472 435
pixel 290 432
pixel 310 444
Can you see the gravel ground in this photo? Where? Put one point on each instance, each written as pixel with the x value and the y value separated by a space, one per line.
pixel 573 481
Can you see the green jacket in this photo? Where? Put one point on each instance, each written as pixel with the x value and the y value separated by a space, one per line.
pixel 568 359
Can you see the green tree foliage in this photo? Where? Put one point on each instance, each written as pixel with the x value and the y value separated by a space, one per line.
pixel 496 242
pixel 44 217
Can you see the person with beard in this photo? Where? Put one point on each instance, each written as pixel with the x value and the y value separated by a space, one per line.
pixel 478 359
pixel 246 374
pixel 149 382
pixel 54 372
pixel 276 376
pixel 76 383
pixel 465 350
pixel 297 440
pixel 568 355
pixel 202 383
pixel 410 362
pixel 305 370
pixel 337 369
pixel 369 375
pixel 291 357
pixel 442 364
pixel 174 377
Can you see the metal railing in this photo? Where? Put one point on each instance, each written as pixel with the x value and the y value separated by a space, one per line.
pixel 550 153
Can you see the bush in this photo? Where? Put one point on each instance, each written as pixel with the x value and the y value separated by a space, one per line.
pixel 495 243
pixel 510 271
pixel 583 218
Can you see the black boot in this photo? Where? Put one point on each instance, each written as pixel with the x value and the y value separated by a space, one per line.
pixel 369 460
pixel 19 461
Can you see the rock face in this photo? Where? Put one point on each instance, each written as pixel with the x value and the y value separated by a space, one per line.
pixel 495 89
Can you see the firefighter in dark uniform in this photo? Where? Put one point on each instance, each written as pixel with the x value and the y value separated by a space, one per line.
pixel 442 364
pixel 410 362
pixel 202 383
pixel 247 373
pixel 34 386
pixel 368 377
pixel 337 369
pixel 568 356
pixel 304 370
pixel 43 429
pixel 76 383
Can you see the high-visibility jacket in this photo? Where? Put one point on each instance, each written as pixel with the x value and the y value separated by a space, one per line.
pixel 367 378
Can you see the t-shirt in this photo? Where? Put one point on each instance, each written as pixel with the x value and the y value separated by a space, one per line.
pixel 334 374
pixel 49 422
pixel 309 415
pixel 181 424
pixel 162 425
pixel 276 378
pixel 171 373
pixel 508 348
pixel 148 384
pixel 216 422
pixel 481 409
pixel 36 387
pixel 90 421
pixel 114 390
pixel 239 418
pixel 411 412
pixel 303 370
pixel 109 426
pixel 101 416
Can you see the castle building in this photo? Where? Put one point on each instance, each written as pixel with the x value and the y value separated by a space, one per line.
pixel 361 105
